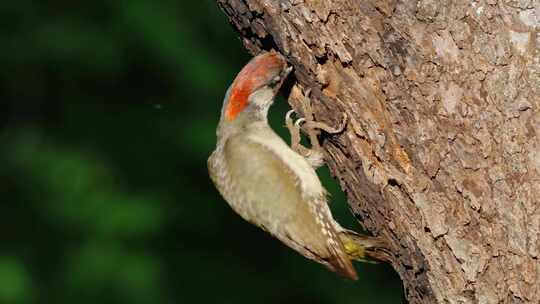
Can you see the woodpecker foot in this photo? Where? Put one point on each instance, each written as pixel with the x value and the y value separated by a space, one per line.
pixel 315 155
pixel 294 130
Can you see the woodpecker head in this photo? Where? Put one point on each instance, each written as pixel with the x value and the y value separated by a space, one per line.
pixel 253 90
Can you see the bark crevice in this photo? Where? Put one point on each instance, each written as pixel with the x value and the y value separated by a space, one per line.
pixel 441 155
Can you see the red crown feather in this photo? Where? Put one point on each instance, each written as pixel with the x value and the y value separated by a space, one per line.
pixel 259 70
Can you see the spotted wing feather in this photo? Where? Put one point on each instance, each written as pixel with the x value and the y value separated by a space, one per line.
pixel 275 188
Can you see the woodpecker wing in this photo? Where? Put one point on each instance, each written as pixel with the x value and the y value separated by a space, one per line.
pixel 274 187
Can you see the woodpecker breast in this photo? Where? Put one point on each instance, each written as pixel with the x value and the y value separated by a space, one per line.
pixel 273 187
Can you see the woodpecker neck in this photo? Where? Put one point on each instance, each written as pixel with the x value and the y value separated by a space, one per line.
pixel 251 116
pixel 256 112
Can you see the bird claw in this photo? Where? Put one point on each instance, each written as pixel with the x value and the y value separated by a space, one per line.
pixel 289 114
pixel 312 129
pixel 289 121
pixel 300 121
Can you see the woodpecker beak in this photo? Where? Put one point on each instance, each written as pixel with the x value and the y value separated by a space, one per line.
pixel 286 72
pixel 277 82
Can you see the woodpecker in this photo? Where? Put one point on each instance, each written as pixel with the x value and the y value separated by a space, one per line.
pixel 268 183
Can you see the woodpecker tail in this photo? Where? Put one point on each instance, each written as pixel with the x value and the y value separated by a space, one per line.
pixel 341 263
pixel 364 248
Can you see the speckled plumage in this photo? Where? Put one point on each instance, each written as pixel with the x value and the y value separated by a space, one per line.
pixel 272 186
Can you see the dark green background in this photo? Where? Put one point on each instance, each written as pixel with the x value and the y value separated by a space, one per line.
pixel 108 114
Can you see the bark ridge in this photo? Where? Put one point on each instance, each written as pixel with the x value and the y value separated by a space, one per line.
pixel 441 155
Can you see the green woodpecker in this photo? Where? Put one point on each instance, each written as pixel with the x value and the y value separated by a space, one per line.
pixel 271 185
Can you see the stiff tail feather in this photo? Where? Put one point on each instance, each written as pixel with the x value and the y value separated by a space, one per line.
pixel 341 264
pixel 364 248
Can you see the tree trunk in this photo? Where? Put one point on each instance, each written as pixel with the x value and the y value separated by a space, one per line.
pixel 441 155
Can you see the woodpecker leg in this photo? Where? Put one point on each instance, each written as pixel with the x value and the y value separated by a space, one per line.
pixel 312 128
pixel 294 130
pixel 315 155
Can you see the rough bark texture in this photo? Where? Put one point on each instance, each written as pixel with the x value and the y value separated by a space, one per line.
pixel 441 155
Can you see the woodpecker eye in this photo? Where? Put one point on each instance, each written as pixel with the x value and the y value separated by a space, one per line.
pixel 274 81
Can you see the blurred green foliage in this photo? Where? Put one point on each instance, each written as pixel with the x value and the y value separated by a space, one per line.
pixel 108 115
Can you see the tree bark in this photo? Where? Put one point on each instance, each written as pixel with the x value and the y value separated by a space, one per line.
pixel 441 155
